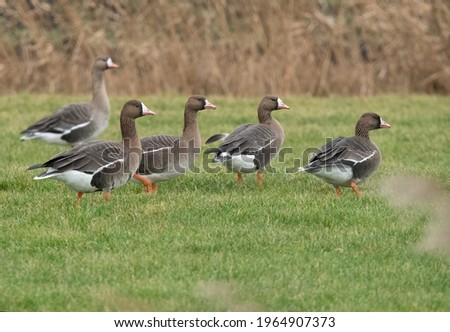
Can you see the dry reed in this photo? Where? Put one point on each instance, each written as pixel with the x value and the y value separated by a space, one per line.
pixel 231 47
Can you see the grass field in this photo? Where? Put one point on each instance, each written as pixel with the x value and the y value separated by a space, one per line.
pixel 204 244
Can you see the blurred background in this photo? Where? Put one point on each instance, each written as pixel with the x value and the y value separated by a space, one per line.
pixel 227 47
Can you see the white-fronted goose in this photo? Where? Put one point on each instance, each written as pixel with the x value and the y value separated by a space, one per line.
pixel 75 123
pixel 347 161
pixel 250 147
pixel 165 157
pixel 101 165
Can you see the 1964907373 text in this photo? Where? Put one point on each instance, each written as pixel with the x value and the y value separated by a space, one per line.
pixel 306 321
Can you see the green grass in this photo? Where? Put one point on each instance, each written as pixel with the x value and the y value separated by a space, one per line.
pixel 204 244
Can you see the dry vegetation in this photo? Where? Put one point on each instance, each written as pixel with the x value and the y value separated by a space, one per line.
pixel 239 48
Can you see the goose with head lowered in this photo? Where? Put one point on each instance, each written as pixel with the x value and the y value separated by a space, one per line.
pixel 250 147
pixel 101 165
pixel 79 122
pixel 165 157
pixel 348 161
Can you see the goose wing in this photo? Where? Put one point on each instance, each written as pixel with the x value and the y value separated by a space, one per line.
pixel 63 121
pixel 250 139
pixel 346 150
pixel 87 158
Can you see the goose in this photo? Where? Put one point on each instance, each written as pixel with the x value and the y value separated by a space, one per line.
pixel 348 161
pixel 79 122
pixel 250 147
pixel 165 157
pixel 100 165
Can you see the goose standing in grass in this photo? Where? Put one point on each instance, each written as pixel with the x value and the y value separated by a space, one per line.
pixel 75 123
pixel 250 147
pixel 165 157
pixel 347 161
pixel 101 165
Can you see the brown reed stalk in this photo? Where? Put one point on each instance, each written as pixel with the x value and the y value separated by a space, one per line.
pixel 230 47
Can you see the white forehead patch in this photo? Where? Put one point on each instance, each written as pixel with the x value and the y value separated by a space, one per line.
pixel 109 62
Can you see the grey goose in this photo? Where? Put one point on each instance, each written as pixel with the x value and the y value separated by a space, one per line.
pixel 348 161
pixel 165 157
pixel 250 147
pixel 101 165
pixel 75 123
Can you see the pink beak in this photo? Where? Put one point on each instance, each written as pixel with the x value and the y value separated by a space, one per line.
pixel 282 105
pixel 111 64
pixel 146 110
pixel 208 105
pixel 384 124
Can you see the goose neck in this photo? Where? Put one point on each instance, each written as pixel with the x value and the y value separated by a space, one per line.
pixel 361 130
pixel 190 129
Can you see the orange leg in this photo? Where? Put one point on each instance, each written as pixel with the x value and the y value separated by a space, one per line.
pixel 239 176
pixel 260 179
pixel 154 188
pixel 79 195
pixel 107 195
pixel 338 191
pixel 148 185
pixel 355 189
